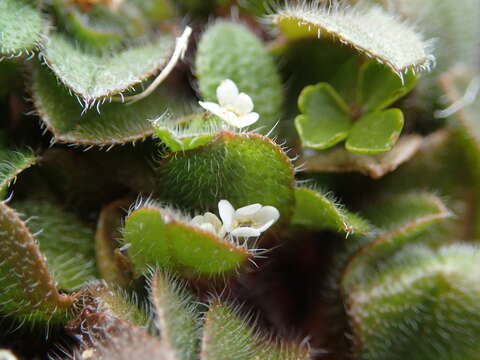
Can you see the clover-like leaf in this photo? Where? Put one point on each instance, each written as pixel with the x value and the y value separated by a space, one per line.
pixel 375 165
pixel 176 316
pixel 430 311
pixel 375 132
pixel 160 237
pixel 319 211
pixel 93 77
pixel 65 240
pixel 379 87
pixel 12 163
pixel 325 118
pixel 370 30
pixel 29 293
pixel 404 218
pixel 195 131
pixel 21 28
pixel 242 168
pixel 226 51
pixel 116 123
pixel 219 343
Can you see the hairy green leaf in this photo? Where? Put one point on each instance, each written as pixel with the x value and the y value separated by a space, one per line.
pixel 12 163
pixel 319 211
pixel 29 291
pixel 160 237
pixel 241 168
pixel 21 27
pixel 94 77
pixel 370 30
pixel 231 51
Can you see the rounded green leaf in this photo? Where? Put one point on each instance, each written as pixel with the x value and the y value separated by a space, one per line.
pixel 241 168
pixel 325 118
pixel 231 51
pixel 379 86
pixel 156 237
pixel 12 163
pixel 376 132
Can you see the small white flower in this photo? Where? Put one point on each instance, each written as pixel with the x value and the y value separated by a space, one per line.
pixel 248 221
pixel 209 222
pixel 234 108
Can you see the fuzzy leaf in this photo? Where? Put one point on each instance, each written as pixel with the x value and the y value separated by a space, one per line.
pixel 316 210
pixel 376 132
pixel 430 312
pixel 29 292
pixel 241 168
pixel 93 77
pixel 379 87
pixel 116 123
pixel 12 163
pixel 65 240
pixel 325 118
pixel 231 51
pixel 194 132
pixel 157 237
pixel 375 165
pixel 110 263
pixel 227 336
pixel 21 27
pixel 177 319
pixel 404 218
pixel 370 30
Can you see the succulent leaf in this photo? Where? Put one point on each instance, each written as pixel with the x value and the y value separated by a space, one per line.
pixel 226 51
pixel 176 315
pixel 116 123
pixel 93 77
pixel 242 168
pixel 65 240
pixel 218 343
pixel 19 38
pixel 370 30
pixel 317 210
pixel 29 291
pixel 159 237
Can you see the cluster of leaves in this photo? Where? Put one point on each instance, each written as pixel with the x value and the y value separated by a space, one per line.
pixel 99 256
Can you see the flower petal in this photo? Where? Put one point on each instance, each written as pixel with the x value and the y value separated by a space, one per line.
pixel 266 214
pixel 247 211
pixel 230 118
pixel 227 92
pixel 247 120
pixel 212 107
pixel 243 104
pixel 213 219
pixel 208 227
pixel 265 226
pixel 226 212
pixel 197 220
pixel 245 232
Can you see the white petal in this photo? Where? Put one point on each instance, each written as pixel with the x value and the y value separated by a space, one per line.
pixel 213 219
pixel 265 226
pixel 245 232
pixel 243 104
pixel 266 214
pixel 247 120
pixel 247 211
pixel 197 220
pixel 212 107
pixel 230 118
pixel 208 227
pixel 227 92
pixel 226 212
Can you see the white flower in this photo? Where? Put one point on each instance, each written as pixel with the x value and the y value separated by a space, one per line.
pixel 248 221
pixel 235 108
pixel 209 222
